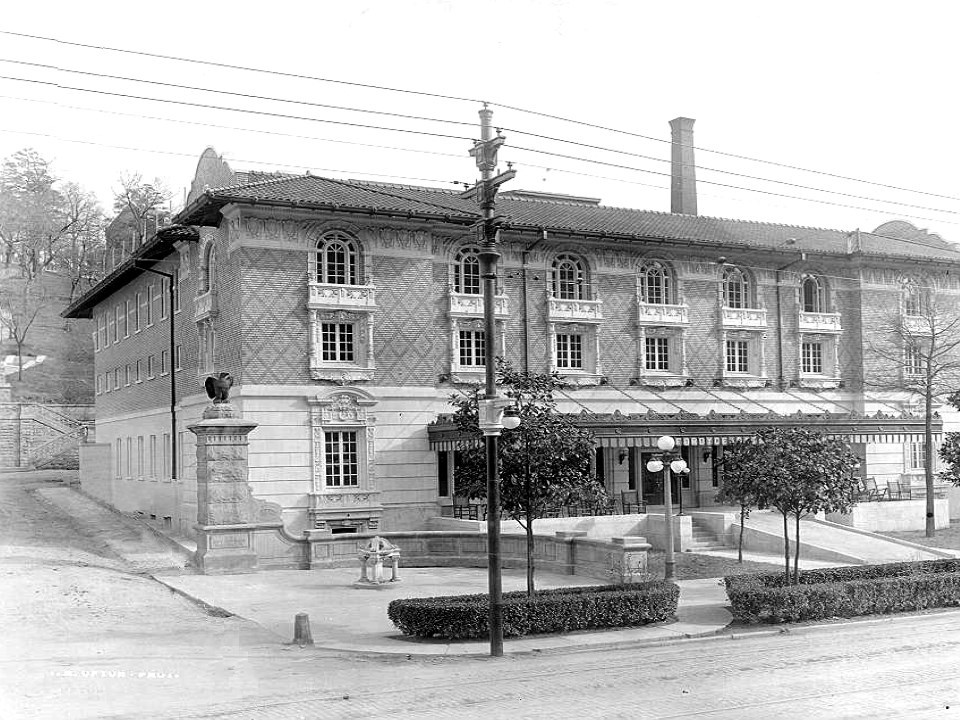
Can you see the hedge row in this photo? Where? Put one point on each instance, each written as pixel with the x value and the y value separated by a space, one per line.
pixel 460 617
pixel 845 592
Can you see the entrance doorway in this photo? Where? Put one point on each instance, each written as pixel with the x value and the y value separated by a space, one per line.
pixel 651 485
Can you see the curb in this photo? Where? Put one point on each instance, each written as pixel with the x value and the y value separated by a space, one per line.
pixel 214 610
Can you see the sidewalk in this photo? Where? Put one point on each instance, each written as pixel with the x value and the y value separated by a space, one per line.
pixel 344 617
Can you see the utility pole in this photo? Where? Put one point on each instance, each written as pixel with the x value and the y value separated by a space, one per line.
pixel 491 407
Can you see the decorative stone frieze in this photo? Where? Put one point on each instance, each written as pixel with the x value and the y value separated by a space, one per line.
pixel 590 311
pixel 820 322
pixel 745 318
pixel 670 315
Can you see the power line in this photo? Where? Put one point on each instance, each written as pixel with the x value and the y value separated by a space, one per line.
pixel 515 108
pixel 236 94
pixel 726 185
pixel 735 174
pixel 233 127
pixel 228 66
pixel 464 123
pixel 234 159
pixel 241 110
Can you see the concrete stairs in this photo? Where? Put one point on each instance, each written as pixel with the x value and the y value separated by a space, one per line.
pixel 703 538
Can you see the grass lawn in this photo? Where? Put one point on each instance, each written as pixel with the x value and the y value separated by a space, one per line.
pixel 691 566
pixel 946 538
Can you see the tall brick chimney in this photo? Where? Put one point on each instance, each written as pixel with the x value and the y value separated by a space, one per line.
pixel 683 171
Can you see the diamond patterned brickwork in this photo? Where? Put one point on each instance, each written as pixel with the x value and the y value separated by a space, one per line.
pixel 275 322
pixel 230 296
pixel 411 331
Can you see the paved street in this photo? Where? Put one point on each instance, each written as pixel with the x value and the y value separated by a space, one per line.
pixel 86 635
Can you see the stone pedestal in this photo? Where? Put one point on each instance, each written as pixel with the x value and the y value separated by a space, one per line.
pixel 629 565
pixel 227 513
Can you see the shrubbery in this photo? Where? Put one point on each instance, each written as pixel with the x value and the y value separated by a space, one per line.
pixel 845 591
pixel 460 617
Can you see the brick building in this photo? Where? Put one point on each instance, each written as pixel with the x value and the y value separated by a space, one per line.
pixel 348 312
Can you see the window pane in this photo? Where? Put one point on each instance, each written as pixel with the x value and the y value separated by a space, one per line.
pixel 468 273
pixel 812 358
pixel 336 342
pixel 570 351
pixel 472 348
pixel 737 356
pixel 657 353
pixel 342 460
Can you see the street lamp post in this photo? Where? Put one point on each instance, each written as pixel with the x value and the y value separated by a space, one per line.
pixel 666 461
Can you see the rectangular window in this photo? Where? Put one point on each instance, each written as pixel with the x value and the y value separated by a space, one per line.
pixel 107 383
pixel 657 355
pixel 128 319
pixel 138 374
pixel 129 457
pixel 471 348
pixel 162 296
pixel 96 341
pixel 119 457
pixel 917 459
pixel 153 456
pixel 111 328
pixel 177 358
pixel 140 456
pixel 166 455
pixel 148 315
pixel 336 342
pixel 151 361
pixel 102 329
pixel 116 378
pixel 341 458
pixel 570 351
pixel 176 291
pixel 126 376
pixel 737 356
pixel 163 362
pixel 913 361
pixel 140 306
pixel 119 317
pixel 811 358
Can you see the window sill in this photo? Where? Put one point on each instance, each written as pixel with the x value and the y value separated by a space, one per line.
pixel 345 374
pixel 663 380
pixel 579 378
pixel 744 381
pixel 819 382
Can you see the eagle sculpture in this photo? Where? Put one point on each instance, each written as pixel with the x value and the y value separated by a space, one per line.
pixel 218 387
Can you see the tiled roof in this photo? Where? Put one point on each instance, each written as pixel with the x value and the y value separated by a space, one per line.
pixel 560 215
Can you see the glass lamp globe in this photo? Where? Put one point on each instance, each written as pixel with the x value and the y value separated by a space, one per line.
pixel 511 420
pixel 666 443
pixel 678 466
pixel 654 466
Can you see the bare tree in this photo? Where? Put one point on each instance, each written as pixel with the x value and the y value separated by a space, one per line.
pixel 139 202
pixel 43 225
pixel 917 348
pixel 83 258
pixel 21 303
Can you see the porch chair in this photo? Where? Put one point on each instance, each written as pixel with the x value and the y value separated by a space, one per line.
pixel 898 490
pixel 872 491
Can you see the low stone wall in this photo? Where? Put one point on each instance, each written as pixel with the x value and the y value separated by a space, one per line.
pixel 29 433
pixel 616 560
pixel 894 516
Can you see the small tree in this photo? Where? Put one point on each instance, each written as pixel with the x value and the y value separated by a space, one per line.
pixel 544 462
pixel 743 473
pixel 917 348
pixel 139 201
pixel 801 473
pixel 21 303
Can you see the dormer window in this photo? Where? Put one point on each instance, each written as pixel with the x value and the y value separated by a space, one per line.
pixel 736 288
pixel 337 260
pixel 467 272
pixel 568 278
pixel 813 295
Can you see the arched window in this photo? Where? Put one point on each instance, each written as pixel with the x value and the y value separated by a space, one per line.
pixel 813 295
pixel 208 269
pixel 467 272
pixel 568 278
pixel 736 288
pixel 656 284
pixel 914 299
pixel 337 259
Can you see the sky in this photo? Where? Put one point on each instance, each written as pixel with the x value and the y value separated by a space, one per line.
pixel 864 91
